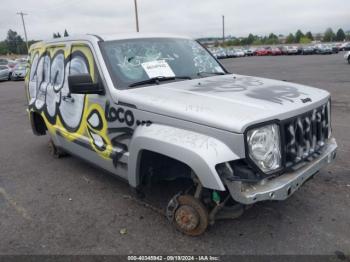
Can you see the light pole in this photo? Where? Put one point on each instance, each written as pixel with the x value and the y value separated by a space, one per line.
pixel 223 29
pixel 24 27
pixel 136 16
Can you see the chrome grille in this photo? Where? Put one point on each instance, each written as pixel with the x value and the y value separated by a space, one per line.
pixel 306 134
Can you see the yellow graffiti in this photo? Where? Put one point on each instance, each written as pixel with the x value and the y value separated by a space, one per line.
pixel 103 132
pixel 82 132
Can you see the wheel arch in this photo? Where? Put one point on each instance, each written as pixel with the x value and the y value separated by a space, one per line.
pixel 37 123
pixel 199 152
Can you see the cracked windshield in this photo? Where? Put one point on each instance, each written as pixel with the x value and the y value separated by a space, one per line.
pixel 138 62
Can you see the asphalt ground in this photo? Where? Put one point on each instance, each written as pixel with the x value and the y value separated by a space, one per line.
pixel 66 206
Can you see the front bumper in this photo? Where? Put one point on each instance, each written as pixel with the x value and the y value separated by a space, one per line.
pixel 283 186
pixel 17 77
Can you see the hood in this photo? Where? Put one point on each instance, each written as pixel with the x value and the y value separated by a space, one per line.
pixel 19 71
pixel 228 102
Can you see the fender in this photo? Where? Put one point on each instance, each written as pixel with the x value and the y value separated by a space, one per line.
pixel 198 151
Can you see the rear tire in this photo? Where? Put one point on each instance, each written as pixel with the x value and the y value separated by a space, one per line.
pixel 349 59
pixel 55 151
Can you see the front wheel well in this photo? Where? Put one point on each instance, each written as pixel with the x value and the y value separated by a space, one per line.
pixel 154 167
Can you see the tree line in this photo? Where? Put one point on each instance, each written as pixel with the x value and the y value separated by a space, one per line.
pixel 58 35
pixel 298 37
pixel 15 44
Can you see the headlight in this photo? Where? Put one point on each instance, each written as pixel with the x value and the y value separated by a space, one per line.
pixel 264 147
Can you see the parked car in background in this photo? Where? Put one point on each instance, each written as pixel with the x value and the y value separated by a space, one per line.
pixel 262 52
pixel 10 65
pixel 230 53
pixel 323 49
pixel 7 62
pixel 22 60
pixel 211 50
pixel 239 53
pixel 289 50
pixel 19 72
pixel 307 50
pixel 276 51
pixel 249 51
pixel 221 53
pixel 334 48
pixel 347 56
pixel 344 47
pixel 4 72
pixel 215 52
pixel 3 61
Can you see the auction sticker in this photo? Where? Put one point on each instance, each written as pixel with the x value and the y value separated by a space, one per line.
pixel 158 68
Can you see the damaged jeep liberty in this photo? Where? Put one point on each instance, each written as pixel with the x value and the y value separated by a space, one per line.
pixel 153 107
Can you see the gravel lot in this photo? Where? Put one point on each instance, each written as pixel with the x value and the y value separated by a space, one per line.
pixel 65 206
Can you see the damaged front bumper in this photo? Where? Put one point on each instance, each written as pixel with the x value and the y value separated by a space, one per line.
pixel 283 186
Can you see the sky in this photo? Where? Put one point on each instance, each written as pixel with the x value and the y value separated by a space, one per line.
pixel 194 18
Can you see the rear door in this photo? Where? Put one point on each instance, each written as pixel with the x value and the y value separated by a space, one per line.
pixel 84 124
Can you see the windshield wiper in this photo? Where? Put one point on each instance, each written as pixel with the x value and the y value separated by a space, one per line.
pixel 156 80
pixel 210 73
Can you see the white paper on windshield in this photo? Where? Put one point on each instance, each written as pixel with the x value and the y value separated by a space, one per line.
pixel 158 68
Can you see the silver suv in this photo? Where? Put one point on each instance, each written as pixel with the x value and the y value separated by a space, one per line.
pixel 154 107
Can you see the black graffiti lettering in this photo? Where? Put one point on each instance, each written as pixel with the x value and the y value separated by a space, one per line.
pixel 110 112
pixel 120 114
pixel 124 133
pixel 129 118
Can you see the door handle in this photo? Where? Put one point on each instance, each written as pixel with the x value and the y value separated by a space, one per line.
pixel 68 99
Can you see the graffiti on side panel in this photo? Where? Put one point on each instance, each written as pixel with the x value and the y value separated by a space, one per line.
pixel 72 115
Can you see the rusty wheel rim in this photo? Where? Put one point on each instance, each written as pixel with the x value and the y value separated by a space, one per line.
pixel 186 218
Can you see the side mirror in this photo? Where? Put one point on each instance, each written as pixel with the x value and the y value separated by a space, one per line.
pixel 82 84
